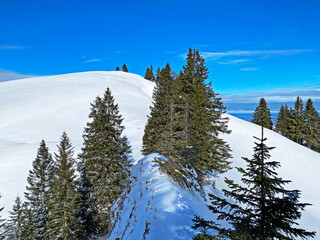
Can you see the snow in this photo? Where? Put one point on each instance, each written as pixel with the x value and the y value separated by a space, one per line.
pixel 157 202
pixel 42 108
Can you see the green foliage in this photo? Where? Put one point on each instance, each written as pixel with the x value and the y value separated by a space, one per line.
pixel 149 74
pixel 124 68
pixel 117 68
pixel 282 124
pixel 64 207
pixel 262 115
pixel 39 190
pixel 15 225
pixel 311 128
pixel 262 208
pixel 185 121
pixel 104 164
pixel 2 224
pixel 296 121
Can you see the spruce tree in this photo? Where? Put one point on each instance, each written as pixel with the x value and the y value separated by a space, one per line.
pixel 261 208
pixel 117 68
pixel 39 189
pixel 283 121
pixel 124 68
pixel 296 121
pixel 311 129
pixel 185 121
pixel 262 115
pixel 199 120
pixel 104 164
pixel 64 207
pixel 149 74
pixel 2 224
pixel 15 225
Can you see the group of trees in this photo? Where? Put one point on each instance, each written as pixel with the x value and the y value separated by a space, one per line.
pixel 185 120
pixel 300 123
pixel 124 68
pixel 70 199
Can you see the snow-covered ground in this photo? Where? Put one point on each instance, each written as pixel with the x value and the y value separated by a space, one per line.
pixel 42 108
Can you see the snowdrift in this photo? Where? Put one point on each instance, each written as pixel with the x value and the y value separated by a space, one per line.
pixel 42 108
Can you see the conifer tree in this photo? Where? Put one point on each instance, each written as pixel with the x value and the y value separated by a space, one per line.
pixel 117 68
pixel 185 121
pixel 39 189
pixel 158 119
pixel 262 208
pixel 262 115
pixel 283 121
pixel 104 164
pixel 15 225
pixel 2 224
pixel 311 125
pixel 149 74
pixel 124 68
pixel 64 207
pixel 296 121
pixel 199 119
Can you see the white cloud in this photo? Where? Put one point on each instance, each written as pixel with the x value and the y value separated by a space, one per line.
pixel 6 75
pixel 234 61
pixel 93 60
pixel 261 53
pixel 11 47
pixel 249 69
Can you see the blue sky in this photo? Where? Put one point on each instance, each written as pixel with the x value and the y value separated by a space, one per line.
pixel 252 48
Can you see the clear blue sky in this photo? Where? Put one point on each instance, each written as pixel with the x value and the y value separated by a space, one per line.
pixel 249 45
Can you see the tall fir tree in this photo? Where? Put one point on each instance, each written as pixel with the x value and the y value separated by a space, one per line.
pixel 261 208
pixel 296 121
pixel 15 225
pixel 149 74
pixel 39 189
pixel 262 115
pixel 104 164
pixel 117 68
pixel 311 129
pixel 281 125
pixel 185 121
pixel 2 224
pixel 64 220
pixel 199 120
pixel 124 68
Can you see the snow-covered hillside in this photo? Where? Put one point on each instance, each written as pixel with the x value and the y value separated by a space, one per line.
pixel 42 108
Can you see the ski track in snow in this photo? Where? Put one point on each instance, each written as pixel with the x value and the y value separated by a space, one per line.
pixel 42 108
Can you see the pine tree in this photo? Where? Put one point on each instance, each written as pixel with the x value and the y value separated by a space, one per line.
pixel 64 207
pixel 124 68
pixel 39 189
pixel 117 68
pixel 262 115
pixel 15 225
pixel 262 208
pixel 2 224
pixel 296 121
pixel 283 121
pixel 199 120
pixel 311 130
pixel 185 121
pixel 149 74
pixel 104 164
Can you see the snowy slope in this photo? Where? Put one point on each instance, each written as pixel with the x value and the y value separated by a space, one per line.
pixel 157 206
pixel 42 108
